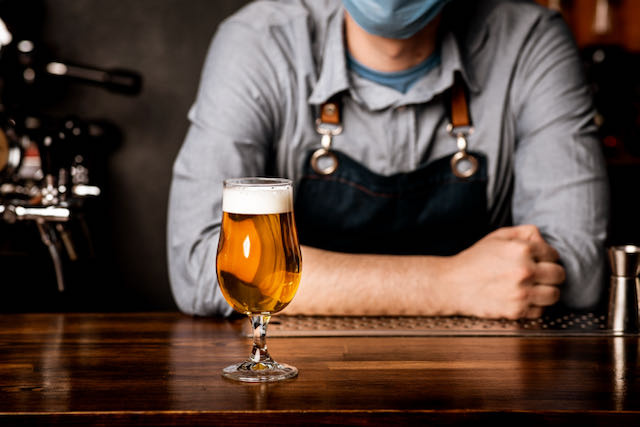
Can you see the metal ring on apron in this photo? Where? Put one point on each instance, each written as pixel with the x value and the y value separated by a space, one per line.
pixel 464 165
pixel 324 162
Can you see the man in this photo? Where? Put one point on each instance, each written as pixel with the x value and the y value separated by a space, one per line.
pixel 415 219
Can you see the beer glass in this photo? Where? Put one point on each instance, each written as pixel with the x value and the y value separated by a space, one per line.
pixel 258 264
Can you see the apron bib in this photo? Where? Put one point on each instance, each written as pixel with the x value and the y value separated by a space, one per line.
pixel 438 209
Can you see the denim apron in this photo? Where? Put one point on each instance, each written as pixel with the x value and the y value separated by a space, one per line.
pixel 438 209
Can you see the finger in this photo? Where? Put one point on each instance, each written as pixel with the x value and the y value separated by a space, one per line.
pixel 542 251
pixel 534 312
pixel 548 273
pixel 543 295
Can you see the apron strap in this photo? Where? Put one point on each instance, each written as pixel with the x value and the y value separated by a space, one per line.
pixel 463 164
pixel 459 106
pixel 330 112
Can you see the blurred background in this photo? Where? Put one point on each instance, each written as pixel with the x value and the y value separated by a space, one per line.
pixel 134 138
pixel 101 90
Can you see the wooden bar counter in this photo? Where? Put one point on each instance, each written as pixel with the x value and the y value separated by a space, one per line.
pixel 164 369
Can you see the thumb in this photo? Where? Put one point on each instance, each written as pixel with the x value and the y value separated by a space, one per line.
pixel 519 232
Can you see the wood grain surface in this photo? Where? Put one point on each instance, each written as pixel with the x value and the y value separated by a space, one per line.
pixel 164 369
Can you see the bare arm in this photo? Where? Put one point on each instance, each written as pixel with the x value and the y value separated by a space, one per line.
pixel 510 273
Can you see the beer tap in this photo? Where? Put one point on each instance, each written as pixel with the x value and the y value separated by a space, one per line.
pixel 42 216
pixel 62 166
pixel 49 239
pixel 73 179
pixel 50 197
pixel 49 166
pixel 59 186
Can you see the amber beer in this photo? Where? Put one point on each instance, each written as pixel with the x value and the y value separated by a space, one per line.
pixel 258 260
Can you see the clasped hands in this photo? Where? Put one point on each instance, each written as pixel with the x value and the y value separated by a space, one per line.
pixel 510 273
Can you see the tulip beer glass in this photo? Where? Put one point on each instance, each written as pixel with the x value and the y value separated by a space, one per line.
pixel 258 264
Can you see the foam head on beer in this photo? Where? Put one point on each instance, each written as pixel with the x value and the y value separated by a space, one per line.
pixel 261 199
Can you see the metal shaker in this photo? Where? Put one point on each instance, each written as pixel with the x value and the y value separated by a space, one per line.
pixel 623 316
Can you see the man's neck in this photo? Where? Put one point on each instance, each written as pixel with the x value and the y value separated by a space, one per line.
pixel 389 55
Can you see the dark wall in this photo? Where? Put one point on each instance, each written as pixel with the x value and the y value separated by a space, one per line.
pixel 166 41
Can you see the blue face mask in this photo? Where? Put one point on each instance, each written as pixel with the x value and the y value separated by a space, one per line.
pixel 393 19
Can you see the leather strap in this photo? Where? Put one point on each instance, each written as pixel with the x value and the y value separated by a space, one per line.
pixel 330 112
pixel 459 107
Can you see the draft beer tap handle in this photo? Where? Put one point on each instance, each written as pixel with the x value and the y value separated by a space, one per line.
pixel 65 236
pixel 48 238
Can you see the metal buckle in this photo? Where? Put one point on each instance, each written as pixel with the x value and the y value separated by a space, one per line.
pixel 328 158
pixel 324 154
pixel 463 164
pixel 329 129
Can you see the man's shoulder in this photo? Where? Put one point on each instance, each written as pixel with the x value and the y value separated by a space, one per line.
pixel 504 22
pixel 512 8
pixel 490 13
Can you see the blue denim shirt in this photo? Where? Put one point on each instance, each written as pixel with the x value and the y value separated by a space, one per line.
pixel 273 63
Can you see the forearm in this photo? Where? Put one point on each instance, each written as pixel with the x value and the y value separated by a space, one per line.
pixel 358 284
pixel 511 272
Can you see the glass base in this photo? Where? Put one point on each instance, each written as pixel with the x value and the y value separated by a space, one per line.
pixel 259 372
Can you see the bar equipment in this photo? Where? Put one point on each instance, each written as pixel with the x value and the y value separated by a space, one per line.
pixel 48 164
pixel 44 181
pixel 623 314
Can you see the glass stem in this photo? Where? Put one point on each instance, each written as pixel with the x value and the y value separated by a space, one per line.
pixel 259 324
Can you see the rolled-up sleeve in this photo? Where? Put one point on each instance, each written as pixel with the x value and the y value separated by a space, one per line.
pixel 560 175
pixel 228 137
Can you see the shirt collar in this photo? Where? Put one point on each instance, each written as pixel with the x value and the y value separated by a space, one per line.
pixel 335 77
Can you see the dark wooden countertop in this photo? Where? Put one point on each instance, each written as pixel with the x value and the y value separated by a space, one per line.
pixel 164 369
